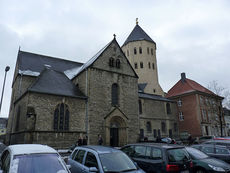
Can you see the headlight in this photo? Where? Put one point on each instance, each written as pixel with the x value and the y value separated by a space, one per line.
pixel 216 168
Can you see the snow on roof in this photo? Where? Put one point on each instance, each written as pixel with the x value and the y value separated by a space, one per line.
pixel 30 149
pixel 72 72
pixel 28 72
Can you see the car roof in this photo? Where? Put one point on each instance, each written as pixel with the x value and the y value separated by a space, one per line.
pixel 100 149
pixel 30 149
pixel 159 145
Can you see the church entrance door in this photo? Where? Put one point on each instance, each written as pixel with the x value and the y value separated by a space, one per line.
pixel 114 137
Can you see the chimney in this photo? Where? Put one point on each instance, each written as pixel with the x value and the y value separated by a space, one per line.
pixel 183 77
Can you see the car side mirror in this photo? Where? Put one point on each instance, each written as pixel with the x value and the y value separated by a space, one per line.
pixel 93 169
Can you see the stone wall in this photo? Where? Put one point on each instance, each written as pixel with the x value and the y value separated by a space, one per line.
pixel 154 111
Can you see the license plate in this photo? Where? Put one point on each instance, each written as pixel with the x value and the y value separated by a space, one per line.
pixel 186 171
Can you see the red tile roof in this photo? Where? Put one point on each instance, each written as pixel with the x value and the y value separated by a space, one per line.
pixel 186 87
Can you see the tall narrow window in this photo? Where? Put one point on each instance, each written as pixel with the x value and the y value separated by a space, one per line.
pixel 61 117
pixel 141 65
pixel 179 103
pixel 147 50
pixel 140 50
pixel 135 51
pixel 151 51
pixel 111 62
pixel 168 108
pixel 181 116
pixel 149 65
pixel 118 63
pixel 149 127
pixel 135 65
pixel 153 66
pixel 140 107
pixel 127 52
pixel 114 94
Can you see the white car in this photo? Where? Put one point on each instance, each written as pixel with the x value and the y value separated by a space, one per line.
pixel 32 158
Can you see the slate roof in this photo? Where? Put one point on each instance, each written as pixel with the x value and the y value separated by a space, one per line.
pixel 138 34
pixel 187 86
pixel 153 97
pixel 57 83
pixel 33 64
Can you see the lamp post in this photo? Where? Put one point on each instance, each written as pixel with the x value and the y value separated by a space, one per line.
pixel 6 70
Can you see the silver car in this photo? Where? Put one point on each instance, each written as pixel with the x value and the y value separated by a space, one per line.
pixel 100 159
pixel 32 158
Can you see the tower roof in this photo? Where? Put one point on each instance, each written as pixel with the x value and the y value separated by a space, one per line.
pixel 138 34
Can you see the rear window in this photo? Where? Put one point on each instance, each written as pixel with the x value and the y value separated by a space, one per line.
pixel 178 154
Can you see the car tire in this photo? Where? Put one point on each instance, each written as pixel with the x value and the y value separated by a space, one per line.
pixel 200 171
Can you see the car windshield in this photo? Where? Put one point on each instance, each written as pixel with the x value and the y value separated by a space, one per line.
pixel 37 163
pixel 116 162
pixel 196 154
pixel 178 154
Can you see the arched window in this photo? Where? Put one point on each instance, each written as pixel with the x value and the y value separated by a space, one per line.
pixel 168 108
pixel 163 127
pixel 149 65
pixel 140 50
pixel 114 94
pixel 111 62
pixel 135 51
pixel 135 65
pixel 118 63
pixel 61 117
pixel 149 127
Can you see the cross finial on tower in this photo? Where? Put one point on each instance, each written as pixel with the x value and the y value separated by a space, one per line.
pixel 137 21
pixel 114 35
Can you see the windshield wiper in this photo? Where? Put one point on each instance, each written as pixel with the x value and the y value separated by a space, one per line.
pixel 126 170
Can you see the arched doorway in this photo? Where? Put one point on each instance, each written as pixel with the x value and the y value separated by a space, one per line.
pixel 118 134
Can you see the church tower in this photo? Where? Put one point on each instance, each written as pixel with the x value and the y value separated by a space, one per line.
pixel 140 50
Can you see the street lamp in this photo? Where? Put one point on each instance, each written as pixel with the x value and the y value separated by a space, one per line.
pixel 6 70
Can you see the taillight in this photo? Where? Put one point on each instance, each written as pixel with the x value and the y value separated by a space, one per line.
pixel 172 168
pixel 191 164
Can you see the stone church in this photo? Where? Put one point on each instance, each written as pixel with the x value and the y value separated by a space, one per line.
pixel 115 94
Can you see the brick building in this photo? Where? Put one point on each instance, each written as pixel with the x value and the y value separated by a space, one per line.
pixel 199 109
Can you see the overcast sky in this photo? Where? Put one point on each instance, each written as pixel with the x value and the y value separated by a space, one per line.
pixel 192 36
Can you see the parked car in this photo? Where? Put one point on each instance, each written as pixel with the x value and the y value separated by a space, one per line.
pixel 203 139
pixel 32 158
pixel 157 158
pixel 219 142
pixel 217 151
pixel 203 163
pixel 101 159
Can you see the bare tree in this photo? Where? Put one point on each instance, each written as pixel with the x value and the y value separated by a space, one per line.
pixel 220 91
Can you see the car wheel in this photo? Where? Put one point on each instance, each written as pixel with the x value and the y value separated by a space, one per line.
pixel 200 171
